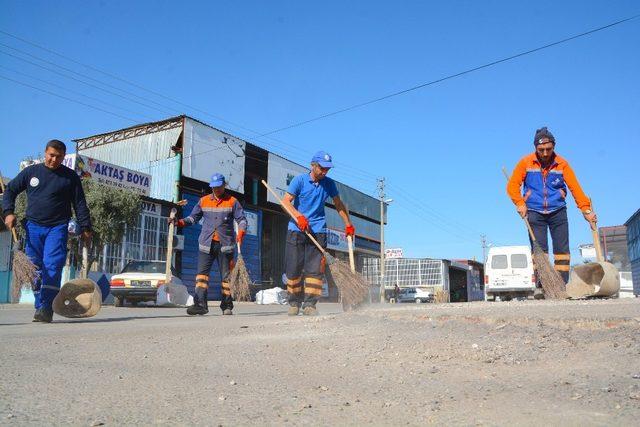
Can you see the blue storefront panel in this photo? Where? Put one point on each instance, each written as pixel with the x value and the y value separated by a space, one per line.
pixel 250 250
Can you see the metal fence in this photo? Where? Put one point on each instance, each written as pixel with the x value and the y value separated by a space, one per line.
pixel 146 241
pixel 406 272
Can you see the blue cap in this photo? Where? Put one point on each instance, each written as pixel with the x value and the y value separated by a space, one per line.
pixel 217 180
pixel 323 159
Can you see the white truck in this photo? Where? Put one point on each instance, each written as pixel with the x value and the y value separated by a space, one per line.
pixel 509 273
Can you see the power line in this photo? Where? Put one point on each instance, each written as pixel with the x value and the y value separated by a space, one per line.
pixel 449 229
pixel 129 82
pixel 168 109
pixel 113 76
pixel 79 74
pixel 74 92
pixel 433 212
pixel 449 77
pixel 69 99
pixel 164 110
pixel 85 83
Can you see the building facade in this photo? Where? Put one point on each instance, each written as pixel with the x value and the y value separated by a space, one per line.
pixel 633 245
pixel 460 280
pixel 613 241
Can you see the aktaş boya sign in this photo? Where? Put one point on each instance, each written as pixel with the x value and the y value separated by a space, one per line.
pixel 109 174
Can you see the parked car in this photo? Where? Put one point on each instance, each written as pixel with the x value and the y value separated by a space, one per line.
pixel 509 273
pixel 416 295
pixel 138 281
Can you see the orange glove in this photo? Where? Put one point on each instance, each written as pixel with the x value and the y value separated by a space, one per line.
pixel 240 236
pixel 302 222
pixel 350 230
pixel 176 221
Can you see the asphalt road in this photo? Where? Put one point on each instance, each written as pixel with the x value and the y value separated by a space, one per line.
pixel 522 363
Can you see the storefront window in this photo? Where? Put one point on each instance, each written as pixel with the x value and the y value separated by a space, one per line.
pixel 145 241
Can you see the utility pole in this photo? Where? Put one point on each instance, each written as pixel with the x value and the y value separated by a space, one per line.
pixel 382 201
pixel 483 242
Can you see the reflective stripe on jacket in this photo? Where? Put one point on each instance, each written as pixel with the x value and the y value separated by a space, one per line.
pixel 544 190
pixel 218 216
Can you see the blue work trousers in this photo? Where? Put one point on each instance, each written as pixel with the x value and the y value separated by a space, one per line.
pixel 557 225
pixel 47 249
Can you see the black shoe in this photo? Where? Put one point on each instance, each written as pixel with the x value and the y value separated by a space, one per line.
pixel 44 315
pixel 197 310
pixel 200 305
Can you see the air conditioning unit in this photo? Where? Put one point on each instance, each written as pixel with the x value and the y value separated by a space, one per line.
pixel 178 242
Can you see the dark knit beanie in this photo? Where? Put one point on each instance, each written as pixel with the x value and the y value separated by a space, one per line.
pixel 543 133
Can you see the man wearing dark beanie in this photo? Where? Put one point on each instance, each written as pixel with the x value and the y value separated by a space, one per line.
pixel 538 188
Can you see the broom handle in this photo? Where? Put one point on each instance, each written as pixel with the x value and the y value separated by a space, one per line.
pixel 315 242
pixel 525 219
pixel 235 228
pixel 352 262
pixel 596 244
pixel 13 229
pixel 596 237
pixel 85 261
pixel 15 236
pixel 167 268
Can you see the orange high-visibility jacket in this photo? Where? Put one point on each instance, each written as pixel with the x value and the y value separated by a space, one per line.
pixel 544 190
pixel 218 220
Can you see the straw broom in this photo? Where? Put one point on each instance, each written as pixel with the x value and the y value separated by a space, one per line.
pixel 353 287
pixel 239 279
pixel 552 283
pixel 24 271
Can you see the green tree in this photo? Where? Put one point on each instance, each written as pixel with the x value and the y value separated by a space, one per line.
pixel 111 209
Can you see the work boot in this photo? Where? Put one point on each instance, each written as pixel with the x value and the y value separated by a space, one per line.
pixel 309 311
pixel 44 315
pixel 227 312
pixel 293 310
pixel 200 305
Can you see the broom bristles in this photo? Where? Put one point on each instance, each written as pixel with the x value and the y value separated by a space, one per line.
pixel 24 271
pixel 352 286
pixel 552 283
pixel 239 281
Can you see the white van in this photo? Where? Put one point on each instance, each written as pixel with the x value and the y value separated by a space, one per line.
pixel 509 273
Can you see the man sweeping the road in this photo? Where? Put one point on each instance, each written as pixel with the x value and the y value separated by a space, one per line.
pixel 305 198
pixel 52 189
pixel 216 242
pixel 546 176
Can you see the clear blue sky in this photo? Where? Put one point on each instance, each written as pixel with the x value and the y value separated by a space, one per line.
pixel 265 65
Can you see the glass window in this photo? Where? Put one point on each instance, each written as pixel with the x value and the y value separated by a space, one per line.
pixel 499 262
pixel 518 261
pixel 144 267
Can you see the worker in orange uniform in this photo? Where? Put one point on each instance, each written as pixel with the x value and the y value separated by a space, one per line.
pixel 216 242
pixel 538 188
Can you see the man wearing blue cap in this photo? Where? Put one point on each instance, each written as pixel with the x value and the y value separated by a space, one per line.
pixel 305 198
pixel 216 242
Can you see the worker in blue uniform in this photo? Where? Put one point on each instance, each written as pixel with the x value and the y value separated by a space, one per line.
pixel 52 190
